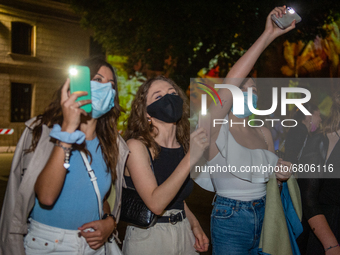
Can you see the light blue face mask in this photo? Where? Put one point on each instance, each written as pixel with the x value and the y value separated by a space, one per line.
pixel 102 98
pixel 247 111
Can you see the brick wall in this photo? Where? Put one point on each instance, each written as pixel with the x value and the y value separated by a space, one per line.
pixel 59 42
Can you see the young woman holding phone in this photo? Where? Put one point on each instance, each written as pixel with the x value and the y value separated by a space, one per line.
pixel 238 213
pixel 49 185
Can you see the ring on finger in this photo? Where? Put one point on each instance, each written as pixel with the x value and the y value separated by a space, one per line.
pixel 79 103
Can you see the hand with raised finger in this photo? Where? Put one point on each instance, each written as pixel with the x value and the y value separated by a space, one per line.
pixel 272 28
pixel 198 144
pixel 71 109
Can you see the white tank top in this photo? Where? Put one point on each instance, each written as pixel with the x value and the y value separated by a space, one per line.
pixel 246 171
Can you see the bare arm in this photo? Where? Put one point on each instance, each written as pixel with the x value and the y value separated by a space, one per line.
pixel 244 65
pixel 157 197
pixel 202 241
pixel 321 229
pixel 51 179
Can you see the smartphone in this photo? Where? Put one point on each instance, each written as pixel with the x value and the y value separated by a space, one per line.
pixel 287 18
pixel 204 121
pixel 80 80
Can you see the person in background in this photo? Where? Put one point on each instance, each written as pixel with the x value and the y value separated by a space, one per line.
pixel 320 192
pixel 297 136
pixel 295 142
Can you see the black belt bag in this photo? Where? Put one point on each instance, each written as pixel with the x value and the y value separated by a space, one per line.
pixel 172 218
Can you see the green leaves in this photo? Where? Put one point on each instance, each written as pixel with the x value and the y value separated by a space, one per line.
pixel 152 31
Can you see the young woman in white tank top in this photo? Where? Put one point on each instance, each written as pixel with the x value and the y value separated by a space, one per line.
pixel 238 212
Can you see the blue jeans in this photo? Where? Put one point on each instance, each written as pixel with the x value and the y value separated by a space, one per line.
pixel 236 226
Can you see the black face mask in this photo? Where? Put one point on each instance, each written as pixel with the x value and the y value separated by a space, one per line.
pixel 168 109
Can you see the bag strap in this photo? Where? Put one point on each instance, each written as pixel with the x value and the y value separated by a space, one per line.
pixel 94 182
pixel 282 144
pixel 264 137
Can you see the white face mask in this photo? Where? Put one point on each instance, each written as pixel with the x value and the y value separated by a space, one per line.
pixel 102 98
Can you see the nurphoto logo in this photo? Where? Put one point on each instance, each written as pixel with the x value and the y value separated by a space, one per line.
pixel 238 104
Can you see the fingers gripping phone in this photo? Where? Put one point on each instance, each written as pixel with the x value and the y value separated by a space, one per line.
pixel 286 19
pixel 80 80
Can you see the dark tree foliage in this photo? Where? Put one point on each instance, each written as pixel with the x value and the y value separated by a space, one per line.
pixel 152 31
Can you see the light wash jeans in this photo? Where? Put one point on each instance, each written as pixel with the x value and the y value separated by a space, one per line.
pixel 236 226
pixel 44 239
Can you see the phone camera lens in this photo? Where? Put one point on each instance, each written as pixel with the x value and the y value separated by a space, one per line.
pixel 73 71
pixel 290 10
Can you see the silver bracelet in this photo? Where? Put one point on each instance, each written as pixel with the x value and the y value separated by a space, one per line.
pixel 67 151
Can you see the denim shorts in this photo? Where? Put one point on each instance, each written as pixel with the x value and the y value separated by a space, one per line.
pixel 236 226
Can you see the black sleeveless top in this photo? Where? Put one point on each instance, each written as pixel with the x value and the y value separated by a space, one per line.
pixel 164 165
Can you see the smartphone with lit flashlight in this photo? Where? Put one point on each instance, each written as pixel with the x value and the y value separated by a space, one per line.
pixel 286 19
pixel 80 80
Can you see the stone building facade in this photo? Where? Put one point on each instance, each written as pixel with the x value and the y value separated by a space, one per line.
pixel 39 39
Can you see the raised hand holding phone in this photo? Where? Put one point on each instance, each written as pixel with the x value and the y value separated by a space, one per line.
pixel 272 31
pixel 286 19
pixel 72 108
pixel 80 80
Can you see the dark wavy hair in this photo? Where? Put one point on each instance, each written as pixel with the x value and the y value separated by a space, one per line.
pixel 106 128
pixel 138 126
pixel 300 116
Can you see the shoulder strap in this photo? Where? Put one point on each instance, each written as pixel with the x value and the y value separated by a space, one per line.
pixel 282 144
pixel 94 182
pixel 151 161
pixel 303 146
pixel 265 139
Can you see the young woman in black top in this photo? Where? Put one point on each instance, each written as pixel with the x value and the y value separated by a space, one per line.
pixel 159 124
pixel 295 143
pixel 320 194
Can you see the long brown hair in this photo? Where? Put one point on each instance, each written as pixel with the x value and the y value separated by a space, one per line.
pixel 106 128
pixel 138 126
pixel 332 123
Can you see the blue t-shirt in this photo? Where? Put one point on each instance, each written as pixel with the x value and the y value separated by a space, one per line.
pixel 77 203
